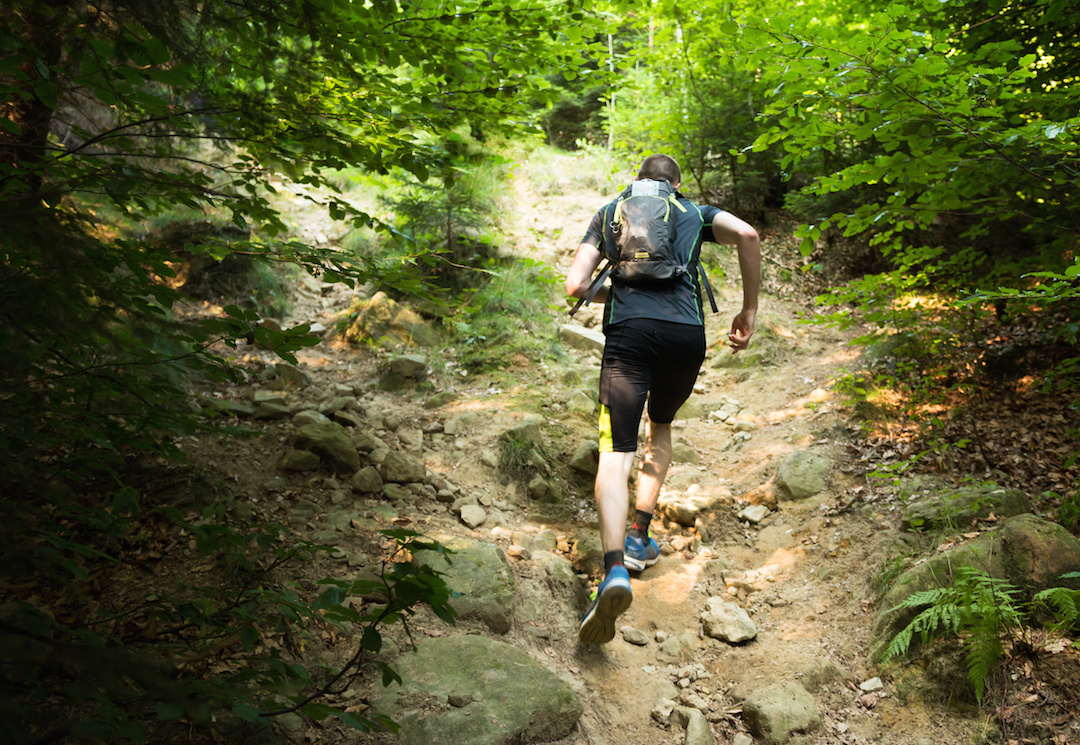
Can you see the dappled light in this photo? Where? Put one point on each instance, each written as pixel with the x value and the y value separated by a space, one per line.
pixel 291 403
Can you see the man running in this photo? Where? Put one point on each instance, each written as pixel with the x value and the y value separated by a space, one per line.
pixel 655 344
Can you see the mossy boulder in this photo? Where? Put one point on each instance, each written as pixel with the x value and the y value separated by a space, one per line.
pixel 1030 553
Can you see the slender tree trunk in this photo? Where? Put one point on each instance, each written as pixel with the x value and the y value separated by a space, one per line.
pixel 40 26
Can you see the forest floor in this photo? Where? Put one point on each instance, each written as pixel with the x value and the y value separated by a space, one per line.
pixel 824 558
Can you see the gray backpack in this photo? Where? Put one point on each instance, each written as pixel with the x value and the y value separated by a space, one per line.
pixel 639 240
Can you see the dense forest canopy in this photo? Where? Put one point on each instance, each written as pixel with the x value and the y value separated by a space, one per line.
pixel 928 150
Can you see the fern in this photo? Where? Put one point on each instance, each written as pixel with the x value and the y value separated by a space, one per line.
pixel 975 607
pixel 1066 602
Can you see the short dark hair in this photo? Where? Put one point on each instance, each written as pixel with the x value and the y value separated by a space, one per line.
pixel 660 167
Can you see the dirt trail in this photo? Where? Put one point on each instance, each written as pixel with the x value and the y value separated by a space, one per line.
pixel 812 601
pixel 815 606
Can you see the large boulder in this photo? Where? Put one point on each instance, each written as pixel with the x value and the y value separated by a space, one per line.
pixel 942 505
pixel 330 441
pixel 476 690
pixel 1038 552
pixel 936 571
pixel 383 320
pixel 1030 553
pixel 482 574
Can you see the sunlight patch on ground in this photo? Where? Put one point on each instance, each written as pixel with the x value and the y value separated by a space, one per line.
pixel 814 402
pixel 782 560
pixel 675 587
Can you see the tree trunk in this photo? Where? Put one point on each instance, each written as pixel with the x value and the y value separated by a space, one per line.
pixel 42 28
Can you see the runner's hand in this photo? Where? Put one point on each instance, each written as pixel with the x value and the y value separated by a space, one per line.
pixel 742 328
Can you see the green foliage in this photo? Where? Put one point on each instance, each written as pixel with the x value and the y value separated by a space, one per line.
pixel 892 566
pixel 684 92
pixel 952 123
pixel 1065 601
pixel 111 681
pixel 945 137
pixel 508 315
pixel 974 606
pixel 518 456
pixel 121 120
pixel 444 225
pixel 1068 511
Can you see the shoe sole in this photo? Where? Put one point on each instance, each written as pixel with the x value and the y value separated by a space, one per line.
pixel 598 627
pixel 638 565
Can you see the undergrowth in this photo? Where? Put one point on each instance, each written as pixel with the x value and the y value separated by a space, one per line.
pixel 980 611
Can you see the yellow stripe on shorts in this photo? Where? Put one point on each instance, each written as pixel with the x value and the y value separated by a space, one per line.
pixel 607 441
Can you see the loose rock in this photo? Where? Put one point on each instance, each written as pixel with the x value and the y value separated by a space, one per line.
pixel 777 712
pixel 727 622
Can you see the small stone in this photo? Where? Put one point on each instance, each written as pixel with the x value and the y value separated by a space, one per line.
pixel 634 636
pixel 519 552
pixel 754 513
pixel 473 515
pixel 869 686
pixel 538 487
pixel 395 492
pixel 458 700
pixel 409 366
pixel 439 400
pixel 309 416
pixel 744 425
pixel 585 458
pixel 272 410
pixel 726 621
pixel 348 418
pixel 671 647
pixel 300 460
pixel 662 710
pixel 275 484
pixel 367 481
pixel 545 540
pixel 680 716
pixel 294 726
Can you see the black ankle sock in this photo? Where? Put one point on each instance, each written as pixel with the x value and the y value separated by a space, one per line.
pixel 640 528
pixel 611 558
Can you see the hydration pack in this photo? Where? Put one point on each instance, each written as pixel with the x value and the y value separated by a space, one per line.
pixel 639 240
pixel 639 237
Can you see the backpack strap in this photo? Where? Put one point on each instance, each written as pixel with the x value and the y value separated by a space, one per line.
pixel 595 288
pixel 695 263
pixel 708 287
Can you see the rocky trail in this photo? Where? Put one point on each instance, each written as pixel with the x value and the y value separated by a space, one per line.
pixel 752 628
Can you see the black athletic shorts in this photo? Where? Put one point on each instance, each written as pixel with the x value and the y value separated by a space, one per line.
pixel 645 358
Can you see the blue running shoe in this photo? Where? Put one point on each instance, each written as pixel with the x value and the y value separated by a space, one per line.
pixel 613 597
pixel 640 553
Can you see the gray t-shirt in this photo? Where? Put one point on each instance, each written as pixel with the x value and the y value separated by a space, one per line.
pixel 678 301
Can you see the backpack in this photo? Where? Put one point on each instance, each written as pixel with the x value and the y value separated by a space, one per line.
pixel 639 240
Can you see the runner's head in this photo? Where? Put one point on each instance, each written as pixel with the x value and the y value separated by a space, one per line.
pixel 660 167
